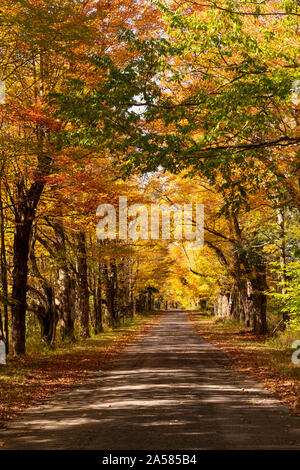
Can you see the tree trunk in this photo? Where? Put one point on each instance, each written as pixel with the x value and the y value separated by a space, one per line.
pixel 47 317
pixel 252 284
pixel 98 308
pixel 259 301
pixel 149 300
pixel 67 305
pixel 110 276
pixel 66 286
pixel 283 275
pixel 5 333
pixel 83 288
pixel 48 326
pixel 46 311
pixel 2 337
pixel 97 297
pixel 223 305
pixel 133 306
pixel 254 303
pixel 24 213
pixel 246 304
pixel 20 274
pixel 111 305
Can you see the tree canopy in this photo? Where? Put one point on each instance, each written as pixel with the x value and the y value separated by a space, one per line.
pixel 161 102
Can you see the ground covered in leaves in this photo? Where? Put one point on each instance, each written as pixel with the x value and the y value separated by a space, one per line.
pixel 39 374
pixel 255 356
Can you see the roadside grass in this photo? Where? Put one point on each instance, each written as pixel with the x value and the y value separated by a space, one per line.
pixel 43 371
pixel 266 359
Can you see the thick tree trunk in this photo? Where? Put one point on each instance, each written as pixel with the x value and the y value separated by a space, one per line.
pixel 235 304
pixel 252 284
pixel 25 205
pixel 46 310
pixel 66 285
pixel 66 305
pixel 24 212
pixel 246 303
pixel 48 329
pixel 47 316
pixel 223 304
pixel 83 288
pixel 19 275
pixel 259 301
pixel 5 333
pixel 254 303
pixel 2 337
pixel 111 291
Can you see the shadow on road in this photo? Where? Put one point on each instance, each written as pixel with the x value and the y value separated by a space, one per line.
pixel 171 389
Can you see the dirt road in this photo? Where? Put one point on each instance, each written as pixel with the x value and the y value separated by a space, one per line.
pixel 171 389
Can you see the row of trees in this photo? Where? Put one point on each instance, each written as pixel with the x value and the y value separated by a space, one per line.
pixel 158 102
pixel 216 99
pixel 248 269
pixel 52 265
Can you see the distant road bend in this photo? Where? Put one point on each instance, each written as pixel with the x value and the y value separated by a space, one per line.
pixel 170 389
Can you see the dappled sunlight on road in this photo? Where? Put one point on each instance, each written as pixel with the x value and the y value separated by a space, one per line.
pixel 169 390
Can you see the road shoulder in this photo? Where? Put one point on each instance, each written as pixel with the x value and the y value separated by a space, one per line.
pixel 250 354
pixel 27 381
